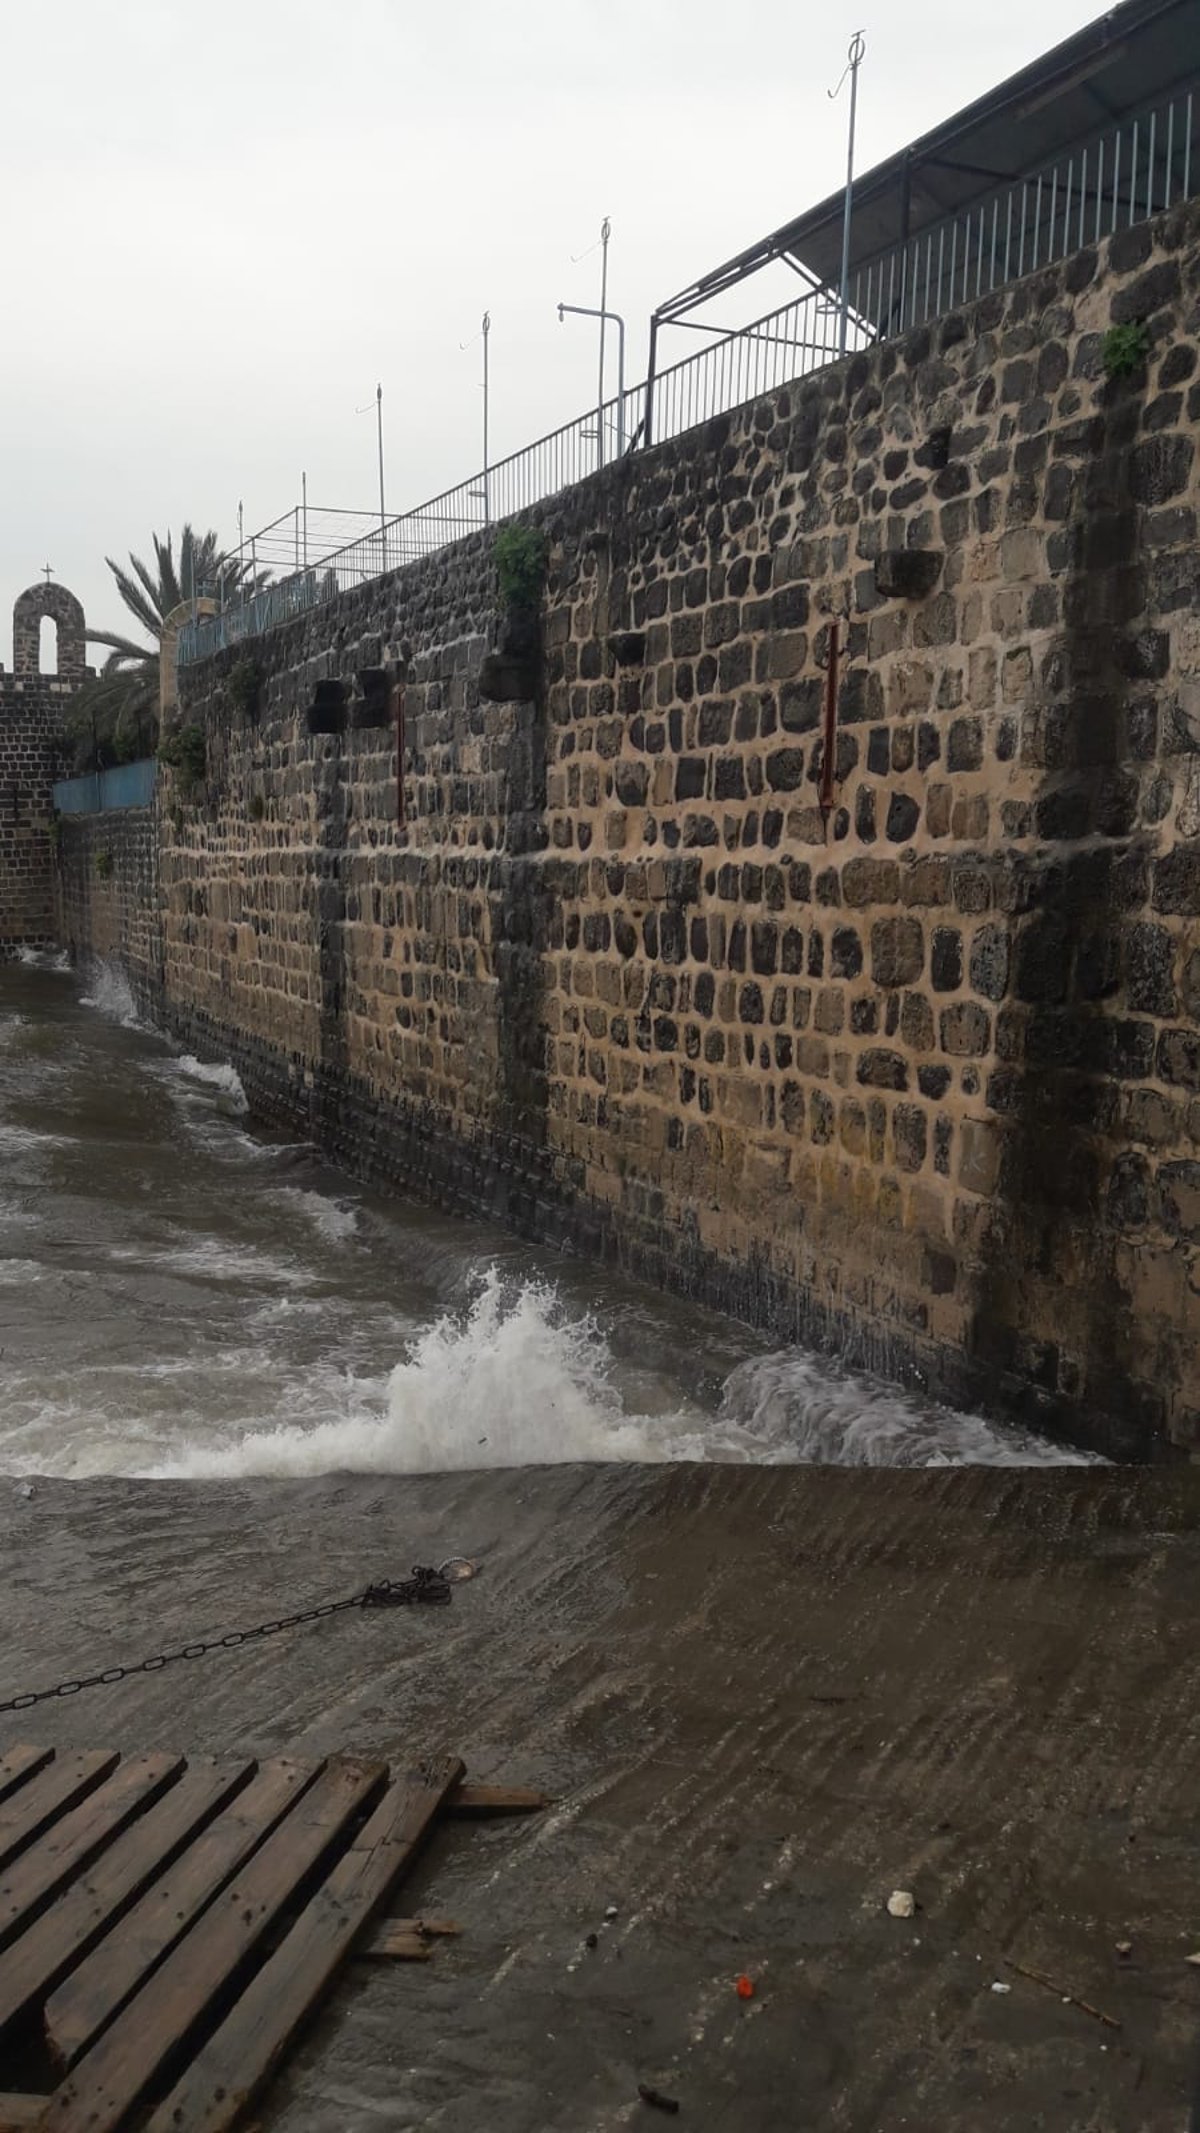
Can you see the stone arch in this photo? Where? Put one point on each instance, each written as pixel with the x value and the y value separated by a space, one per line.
pixel 66 613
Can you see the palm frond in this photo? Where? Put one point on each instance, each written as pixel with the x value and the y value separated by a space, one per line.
pixel 170 589
pixel 135 599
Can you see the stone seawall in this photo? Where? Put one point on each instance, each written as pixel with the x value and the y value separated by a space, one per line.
pixel 31 712
pixel 918 1078
pixel 106 901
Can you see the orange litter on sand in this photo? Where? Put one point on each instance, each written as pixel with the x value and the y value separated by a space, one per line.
pixel 744 1987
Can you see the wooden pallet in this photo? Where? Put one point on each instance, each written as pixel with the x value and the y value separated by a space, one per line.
pixel 168 1923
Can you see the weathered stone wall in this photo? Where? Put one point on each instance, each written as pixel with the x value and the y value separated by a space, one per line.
pixel 921 1081
pixel 106 896
pixel 31 711
pixel 32 705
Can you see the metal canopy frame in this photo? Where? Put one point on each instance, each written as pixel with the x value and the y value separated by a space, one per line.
pixel 1136 51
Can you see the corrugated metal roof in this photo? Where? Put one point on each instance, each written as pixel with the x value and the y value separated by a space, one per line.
pixel 1133 55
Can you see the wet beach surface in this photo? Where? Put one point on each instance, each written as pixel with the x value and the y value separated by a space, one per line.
pixel 762 1699
pixel 776 1640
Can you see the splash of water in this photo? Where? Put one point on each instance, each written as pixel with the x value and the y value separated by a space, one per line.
pixel 110 994
pixel 220 1076
pixel 44 958
pixel 829 1416
pixel 515 1381
pixel 332 1219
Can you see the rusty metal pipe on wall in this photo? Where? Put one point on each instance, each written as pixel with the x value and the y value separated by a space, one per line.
pixel 400 740
pixel 828 759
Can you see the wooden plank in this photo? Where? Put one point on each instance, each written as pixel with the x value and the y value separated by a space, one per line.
pixel 395 1948
pixel 102 1984
pixel 17 2112
pixel 72 1925
pixel 230 2069
pixel 495 1800
pixel 75 1838
pixel 19 1763
pixel 405 1928
pixel 33 1807
pixel 209 1963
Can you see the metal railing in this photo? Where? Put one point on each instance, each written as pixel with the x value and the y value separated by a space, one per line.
pixel 736 366
pixel 1119 177
pixel 128 785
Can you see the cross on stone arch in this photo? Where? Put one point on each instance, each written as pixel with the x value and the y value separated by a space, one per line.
pixel 47 572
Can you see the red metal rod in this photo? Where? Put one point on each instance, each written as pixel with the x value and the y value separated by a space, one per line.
pixel 831 687
pixel 400 737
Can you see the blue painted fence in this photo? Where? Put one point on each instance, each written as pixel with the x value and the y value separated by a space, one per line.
pixel 129 785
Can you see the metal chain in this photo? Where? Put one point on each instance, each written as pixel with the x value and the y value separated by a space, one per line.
pixel 426 1586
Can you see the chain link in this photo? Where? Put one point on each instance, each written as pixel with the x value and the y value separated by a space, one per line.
pixel 426 1587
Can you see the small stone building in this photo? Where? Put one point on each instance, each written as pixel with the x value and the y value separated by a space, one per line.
pixel 31 746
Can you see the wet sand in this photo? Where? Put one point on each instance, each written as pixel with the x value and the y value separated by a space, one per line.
pixel 762 1699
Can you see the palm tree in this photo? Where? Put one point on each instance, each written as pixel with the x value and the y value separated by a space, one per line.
pixel 115 717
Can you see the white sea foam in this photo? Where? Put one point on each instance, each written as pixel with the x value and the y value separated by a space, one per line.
pixel 29 1138
pixel 220 1076
pixel 795 1405
pixel 334 1220
pixel 213 1259
pixel 44 958
pixel 516 1381
pixel 15 1273
pixel 110 994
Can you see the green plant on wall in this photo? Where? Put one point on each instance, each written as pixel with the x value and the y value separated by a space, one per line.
pixel 245 687
pixel 520 557
pixel 104 865
pixel 1124 349
pixel 186 752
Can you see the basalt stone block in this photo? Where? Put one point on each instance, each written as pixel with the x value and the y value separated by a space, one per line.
pixel 1150 959
pixel 870 881
pixel 1178 1057
pixel 632 783
pixel 785 769
pixel 1177 881
pixel 507 678
pixel 907 573
pixel 897 951
pixel 1147 294
pixel 916 1022
pixel 882 1069
pixel 327 712
pixel 965 749
pixel 846 955
pixel 903 815
pixel 966 1030
pixel 628 647
pixel 864 815
pixel 946 963
pixel 1179 1200
pixel 1160 468
pixel 990 958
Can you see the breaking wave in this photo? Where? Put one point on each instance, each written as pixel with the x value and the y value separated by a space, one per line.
pixel 515 1381
pixel 110 994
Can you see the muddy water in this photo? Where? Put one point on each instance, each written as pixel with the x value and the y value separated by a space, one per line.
pixel 182 1297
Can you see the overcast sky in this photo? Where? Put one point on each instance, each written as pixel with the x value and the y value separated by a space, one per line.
pixel 225 220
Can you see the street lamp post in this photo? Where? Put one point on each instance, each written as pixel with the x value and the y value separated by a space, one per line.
pixel 588 311
pixel 854 60
pixel 483 334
